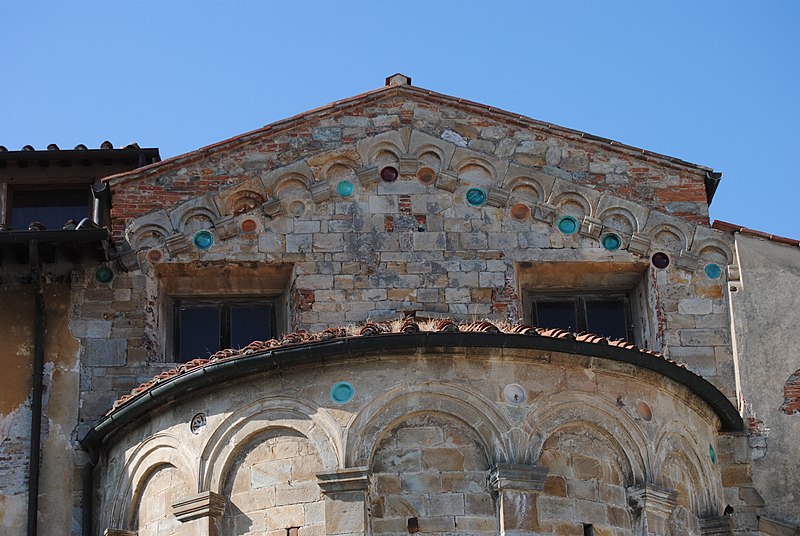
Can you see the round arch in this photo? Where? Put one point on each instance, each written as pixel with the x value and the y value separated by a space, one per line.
pixel 260 416
pixel 368 426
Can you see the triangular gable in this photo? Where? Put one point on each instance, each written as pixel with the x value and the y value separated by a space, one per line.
pixel 463 140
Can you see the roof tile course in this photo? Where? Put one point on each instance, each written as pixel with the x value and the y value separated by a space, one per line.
pixel 733 228
pixel 408 325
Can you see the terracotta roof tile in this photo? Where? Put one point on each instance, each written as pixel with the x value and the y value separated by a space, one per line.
pixel 408 325
pixel 733 228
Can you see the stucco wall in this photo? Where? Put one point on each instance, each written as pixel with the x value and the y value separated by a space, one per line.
pixel 765 313
pixel 59 460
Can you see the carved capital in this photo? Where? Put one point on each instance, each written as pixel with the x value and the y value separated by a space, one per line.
pixel 497 197
pixel 688 260
pixel 272 207
pixel 320 191
pixel 447 180
pixel 367 175
pixel 350 479
pixel 205 504
pixel 653 499
pixel 408 165
pixel 177 244
pixel 591 227
pixel 225 227
pixel 511 476
pixel 545 212
pixel 639 244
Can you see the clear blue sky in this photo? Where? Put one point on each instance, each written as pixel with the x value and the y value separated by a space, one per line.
pixel 711 82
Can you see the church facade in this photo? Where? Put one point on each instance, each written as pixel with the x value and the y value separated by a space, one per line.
pixel 404 312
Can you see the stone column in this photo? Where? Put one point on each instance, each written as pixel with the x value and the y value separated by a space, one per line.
pixel 200 513
pixel 517 488
pixel 345 500
pixel 654 507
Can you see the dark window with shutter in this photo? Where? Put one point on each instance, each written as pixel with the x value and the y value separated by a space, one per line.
pixel 204 326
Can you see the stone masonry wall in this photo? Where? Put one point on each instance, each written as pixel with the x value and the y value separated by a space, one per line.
pixel 304 202
pixel 427 429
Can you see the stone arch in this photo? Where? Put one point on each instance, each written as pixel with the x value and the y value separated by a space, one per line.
pixel 619 219
pixel 476 170
pixel 333 169
pixel 148 235
pixel 155 452
pixel 672 440
pixel 713 250
pixel 369 425
pixel 526 188
pixel 433 467
pixel 431 156
pixel 384 152
pixel 186 214
pixel 791 394
pixel 290 182
pixel 573 204
pixel 271 484
pixel 592 411
pixel 244 201
pixel 259 416
pixel 669 237
pixel 152 504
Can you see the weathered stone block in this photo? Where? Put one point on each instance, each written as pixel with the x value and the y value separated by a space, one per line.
pixel 106 352
pixel 694 306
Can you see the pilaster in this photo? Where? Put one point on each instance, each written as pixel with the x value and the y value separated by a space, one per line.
pixel 518 487
pixel 201 513
pixel 345 494
pixel 654 506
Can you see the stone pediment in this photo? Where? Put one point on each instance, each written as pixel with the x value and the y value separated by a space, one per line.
pixel 410 128
pixel 438 174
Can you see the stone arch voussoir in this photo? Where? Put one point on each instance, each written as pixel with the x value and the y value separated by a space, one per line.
pixel 152 454
pixel 570 408
pixel 673 437
pixel 236 431
pixel 368 427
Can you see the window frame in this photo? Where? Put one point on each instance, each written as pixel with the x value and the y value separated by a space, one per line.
pixel 73 187
pixel 579 300
pixel 224 304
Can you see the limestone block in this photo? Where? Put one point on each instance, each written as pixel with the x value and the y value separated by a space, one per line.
pixel 106 352
pixel 694 306
pixel 492 279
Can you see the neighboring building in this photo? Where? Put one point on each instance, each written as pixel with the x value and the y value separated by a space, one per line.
pixel 53 229
pixel 321 327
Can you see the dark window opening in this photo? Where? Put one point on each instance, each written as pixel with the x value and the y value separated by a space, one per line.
pixel 51 207
pixel 205 326
pixel 608 316
pixel 588 530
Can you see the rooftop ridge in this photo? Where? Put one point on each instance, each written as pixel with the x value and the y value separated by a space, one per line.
pixel 391 90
